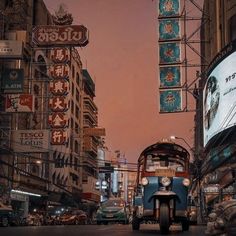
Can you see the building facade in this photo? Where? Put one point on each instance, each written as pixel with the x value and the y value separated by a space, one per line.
pixel 215 127
pixel 45 158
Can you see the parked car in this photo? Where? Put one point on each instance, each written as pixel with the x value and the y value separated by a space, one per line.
pixel 113 210
pixel 222 219
pixel 6 214
pixel 74 217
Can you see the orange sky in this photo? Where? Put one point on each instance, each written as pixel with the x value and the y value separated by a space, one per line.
pixel 122 58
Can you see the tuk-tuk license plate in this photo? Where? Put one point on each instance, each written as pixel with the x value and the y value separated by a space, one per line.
pixel 165 172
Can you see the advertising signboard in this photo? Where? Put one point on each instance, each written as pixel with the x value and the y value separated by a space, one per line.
pixel 12 80
pixel 11 49
pixel 47 35
pixel 30 140
pixel 219 98
pixel 19 103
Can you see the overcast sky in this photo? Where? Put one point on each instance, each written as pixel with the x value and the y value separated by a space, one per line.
pixel 122 59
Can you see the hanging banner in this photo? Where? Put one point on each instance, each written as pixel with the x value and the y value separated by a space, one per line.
pixel 170 77
pixel 169 29
pixel 169 53
pixel 169 8
pixel 170 101
pixel 12 81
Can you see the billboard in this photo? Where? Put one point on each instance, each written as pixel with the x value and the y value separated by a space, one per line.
pixel 12 80
pixel 219 98
pixel 11 49
pixel 30 140
pixel 19 103
pixel 47 35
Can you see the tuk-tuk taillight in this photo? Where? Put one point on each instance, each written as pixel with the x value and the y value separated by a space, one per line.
pixel 144 181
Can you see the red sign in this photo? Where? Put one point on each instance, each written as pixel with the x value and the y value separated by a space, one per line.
pixel 59 55
pixel 58 137
pixel 59 87
pixel 46 35
pixel 59 71
pixel 19 103
pixel 58 120
pixel 58 104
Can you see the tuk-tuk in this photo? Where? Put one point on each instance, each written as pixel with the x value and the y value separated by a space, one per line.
pixel 162 187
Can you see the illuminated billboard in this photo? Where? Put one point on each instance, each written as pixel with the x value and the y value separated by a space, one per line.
pixel 219 97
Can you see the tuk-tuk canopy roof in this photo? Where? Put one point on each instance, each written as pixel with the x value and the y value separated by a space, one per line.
pixel 166 147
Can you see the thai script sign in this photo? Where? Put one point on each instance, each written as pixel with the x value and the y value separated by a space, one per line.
pixel 19 103
pixel 12 80
pixel 30 140
pixel 76 35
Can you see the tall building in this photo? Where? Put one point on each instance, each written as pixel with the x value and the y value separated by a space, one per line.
pixel 215 117
pixel 46 157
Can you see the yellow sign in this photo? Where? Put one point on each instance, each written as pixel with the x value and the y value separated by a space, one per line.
pixel 165 172
pixel 94 132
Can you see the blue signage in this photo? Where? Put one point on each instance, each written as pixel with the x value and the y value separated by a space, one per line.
pixel 170 101
pixel 169 29
pixel 170 76
pixel 169 8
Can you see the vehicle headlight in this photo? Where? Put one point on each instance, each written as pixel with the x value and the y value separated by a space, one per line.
pixel 99 211
pixel 186 182
pixel 144 181
pixel 165 181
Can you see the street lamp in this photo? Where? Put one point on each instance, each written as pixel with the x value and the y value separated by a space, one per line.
pixel 174 137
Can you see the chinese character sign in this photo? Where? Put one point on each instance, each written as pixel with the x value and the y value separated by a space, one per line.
pixel 170 101
pixel 168 8
pixel 170 76
pixel 169 29
pixel 169 53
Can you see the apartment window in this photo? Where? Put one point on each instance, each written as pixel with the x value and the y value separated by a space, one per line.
pixel 72 89
pixel 73 71
pixel 72 106
pixel 78 79
pixel 77 95
pixel 77 112
pixel 232 28
pixel 76 163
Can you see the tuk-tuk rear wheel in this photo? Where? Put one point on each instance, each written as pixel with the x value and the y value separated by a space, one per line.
pixel 135 223
pixel 164 218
